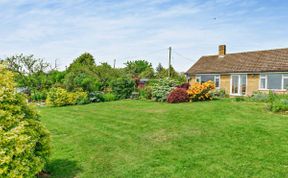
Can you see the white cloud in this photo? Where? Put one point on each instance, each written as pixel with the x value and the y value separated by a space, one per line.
pixel 133 29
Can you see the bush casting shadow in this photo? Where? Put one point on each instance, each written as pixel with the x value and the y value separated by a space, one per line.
pixel 62 168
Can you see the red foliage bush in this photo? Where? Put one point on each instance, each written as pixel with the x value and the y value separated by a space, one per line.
pixel 178 95
pixel 184 86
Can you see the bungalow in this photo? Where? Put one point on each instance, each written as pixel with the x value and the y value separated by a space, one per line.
pixel 240 74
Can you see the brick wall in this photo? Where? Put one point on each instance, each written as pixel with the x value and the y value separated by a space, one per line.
pixel 252 83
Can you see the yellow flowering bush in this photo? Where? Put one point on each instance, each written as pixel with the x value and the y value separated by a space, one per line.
pixel 201 92
pixel 24 141
pixel 61 97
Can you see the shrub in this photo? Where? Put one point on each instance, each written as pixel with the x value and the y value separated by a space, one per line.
pixel 215 94
pixel 162 88
pixel 24 141
pixel 109 97
pixel 259 97
pixel 201 92
pixel 239 98
pixel 145 93
pixel 123 87
pixel 96 97
pixel 278 102
pixel 38 95
pixel 184 86
pixel 61 97
pixel 78 97
pixel 178 95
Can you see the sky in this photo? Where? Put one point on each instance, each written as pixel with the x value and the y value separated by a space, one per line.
pixel 140 29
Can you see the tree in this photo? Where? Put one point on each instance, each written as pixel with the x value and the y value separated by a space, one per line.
pixel 30 71
pixel 105 73
pixel 135 68
pixel 24 141
pixel 84 60
pixel 80 74
pixel 159 68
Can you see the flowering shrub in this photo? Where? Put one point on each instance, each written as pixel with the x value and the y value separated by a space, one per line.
pixel 61 97
pixel 24 141
pixel 178 95
pixel 162 88
pixel 201 92
pixel 184 86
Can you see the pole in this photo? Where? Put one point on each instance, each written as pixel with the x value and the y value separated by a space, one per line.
pixel 169 67
pixel 114 64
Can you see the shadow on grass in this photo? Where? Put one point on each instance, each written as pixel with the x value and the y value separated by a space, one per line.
pixel 63 168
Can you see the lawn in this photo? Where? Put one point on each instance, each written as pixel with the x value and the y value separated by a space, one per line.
pixel 147 139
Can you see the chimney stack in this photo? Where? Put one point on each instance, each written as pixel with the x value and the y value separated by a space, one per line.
pixel 222 50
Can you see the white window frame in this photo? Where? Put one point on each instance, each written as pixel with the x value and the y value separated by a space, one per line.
pixel 198 77
pixel 266 79
pixel 265 76
pixel 239 85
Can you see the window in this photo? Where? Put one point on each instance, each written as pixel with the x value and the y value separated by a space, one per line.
pixel 274 81
pixel 285 82
pixel 238 84
pixel 263 83
pixel 206 78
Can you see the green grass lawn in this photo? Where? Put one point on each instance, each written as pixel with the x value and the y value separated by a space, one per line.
pixel 147 139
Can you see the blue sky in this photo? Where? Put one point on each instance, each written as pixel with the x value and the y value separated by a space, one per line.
pixel 140 29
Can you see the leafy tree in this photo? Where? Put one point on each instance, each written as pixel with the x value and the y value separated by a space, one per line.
pixel 105 73
pixel 24 141
pixel 84 60
pixel 136 68
pixel 159 68
pixel 30 71
pixel 80 74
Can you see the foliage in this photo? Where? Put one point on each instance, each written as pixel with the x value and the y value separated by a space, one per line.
pixel 96 97
pixel 162 88
pixel 123 87
pixel 109 97
pixel 105 73
pixel 239 98
pixel 139 68
pixel 81 74
pixel 84 60
pixel 201 92
pixel 215 94
pixel 145 93
pixel 38 95
pixel 61 97
pixel 162 73
pixel 259 97
pixel 135 95
pixel 29 71
pixel 184 86
pixel 24 141
pixel 278 102
pixel 178 95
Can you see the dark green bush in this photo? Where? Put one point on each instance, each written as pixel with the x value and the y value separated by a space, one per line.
pixel 123 87
pixel 96 96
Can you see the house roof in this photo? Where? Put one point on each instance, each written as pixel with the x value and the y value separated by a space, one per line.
pixel 245 62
